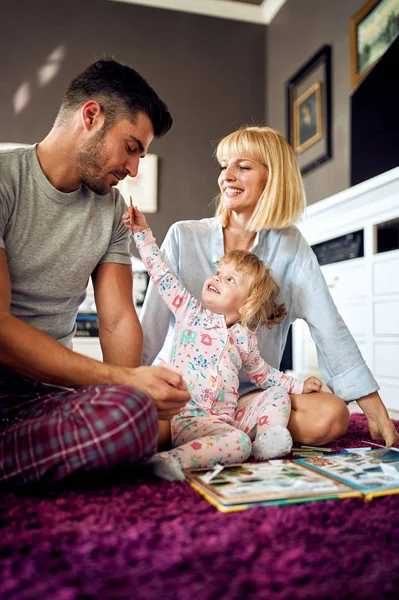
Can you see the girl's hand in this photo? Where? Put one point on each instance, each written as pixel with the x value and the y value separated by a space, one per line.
pixel 126 219
pixel 137 219
pixel 312 384
pixel 134 219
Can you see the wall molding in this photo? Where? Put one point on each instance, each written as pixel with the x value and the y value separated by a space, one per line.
pixel 222 9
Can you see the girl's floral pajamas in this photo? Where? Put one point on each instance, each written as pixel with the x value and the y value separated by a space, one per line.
pixel 210 429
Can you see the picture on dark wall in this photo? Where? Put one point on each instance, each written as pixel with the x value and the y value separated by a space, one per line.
pixel 308 127
pixel 372 29
pixel 308 94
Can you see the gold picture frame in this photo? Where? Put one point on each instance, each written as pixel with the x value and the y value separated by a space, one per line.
pixel 372 30
pixel 307 118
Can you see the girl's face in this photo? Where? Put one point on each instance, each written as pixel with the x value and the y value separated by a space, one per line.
pixel 225 292
pixel 241 182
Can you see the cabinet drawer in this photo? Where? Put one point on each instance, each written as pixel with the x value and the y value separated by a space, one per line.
pixel 390 395
pixel 355 317
pixel 346 280
pixel 386 318
pixel 386 276
pixel 386 359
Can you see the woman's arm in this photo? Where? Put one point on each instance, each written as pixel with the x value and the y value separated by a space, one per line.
pixel 340 360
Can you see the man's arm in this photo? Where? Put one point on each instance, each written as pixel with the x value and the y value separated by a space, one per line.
pixel 380 424
pixel 30 352
pixel 121 336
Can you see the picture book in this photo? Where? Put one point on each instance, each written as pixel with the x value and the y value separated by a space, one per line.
pixel 358 472
pixel 280 481
pixel 372 472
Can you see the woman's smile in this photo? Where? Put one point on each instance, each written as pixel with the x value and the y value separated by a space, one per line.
pixel 241 182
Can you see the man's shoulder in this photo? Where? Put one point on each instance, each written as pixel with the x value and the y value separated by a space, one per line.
pixel 13 161
pixel 11 155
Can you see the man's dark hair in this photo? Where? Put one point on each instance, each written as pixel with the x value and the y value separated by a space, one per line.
pixel 121 92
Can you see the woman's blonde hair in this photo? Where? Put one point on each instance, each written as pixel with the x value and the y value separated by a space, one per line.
pixel 261 306
pixel 283 199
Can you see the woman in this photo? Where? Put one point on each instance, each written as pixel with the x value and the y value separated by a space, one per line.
pixel 261 197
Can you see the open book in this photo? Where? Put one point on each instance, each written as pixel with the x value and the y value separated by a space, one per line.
pixel 358 472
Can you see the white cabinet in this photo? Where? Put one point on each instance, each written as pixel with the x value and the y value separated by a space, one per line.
pixel 366 289
pixel 89 346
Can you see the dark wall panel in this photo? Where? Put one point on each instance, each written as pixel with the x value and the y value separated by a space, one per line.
pixel 375 119
pixel 211 73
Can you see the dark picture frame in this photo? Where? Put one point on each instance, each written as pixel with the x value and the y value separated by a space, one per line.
pixel 372 29
pixel 308 105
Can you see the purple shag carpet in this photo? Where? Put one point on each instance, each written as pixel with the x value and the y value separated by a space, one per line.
pixel 135 537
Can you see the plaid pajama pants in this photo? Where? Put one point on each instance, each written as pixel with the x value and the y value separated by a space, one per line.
pixel 48 432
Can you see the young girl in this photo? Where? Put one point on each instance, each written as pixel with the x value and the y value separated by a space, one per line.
pixel 212 341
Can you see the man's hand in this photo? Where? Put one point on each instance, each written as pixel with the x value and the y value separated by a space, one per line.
pixel 380 424
pixel 166 388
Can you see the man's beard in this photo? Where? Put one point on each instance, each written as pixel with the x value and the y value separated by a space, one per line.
pixel 91 162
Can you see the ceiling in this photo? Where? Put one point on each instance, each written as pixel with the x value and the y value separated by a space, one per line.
pixel 251 11
pixel 257 2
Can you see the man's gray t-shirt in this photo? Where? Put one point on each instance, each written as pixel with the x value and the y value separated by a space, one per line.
pixel 54 241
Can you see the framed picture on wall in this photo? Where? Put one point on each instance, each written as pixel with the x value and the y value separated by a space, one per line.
pixel 372 30
pixel 308 98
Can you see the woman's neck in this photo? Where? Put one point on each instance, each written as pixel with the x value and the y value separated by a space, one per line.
pixel 235 236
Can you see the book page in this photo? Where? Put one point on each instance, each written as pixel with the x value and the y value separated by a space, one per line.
pixel 365 469
pixel 272 480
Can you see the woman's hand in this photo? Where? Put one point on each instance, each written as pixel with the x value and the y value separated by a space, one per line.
pixel 134 219
pixel 312 384
pixel 380 423
pixel 384 429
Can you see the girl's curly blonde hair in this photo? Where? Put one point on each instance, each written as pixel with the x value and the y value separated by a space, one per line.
pixel 261 306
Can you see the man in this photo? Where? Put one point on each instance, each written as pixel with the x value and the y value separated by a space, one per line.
pixel 60 223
